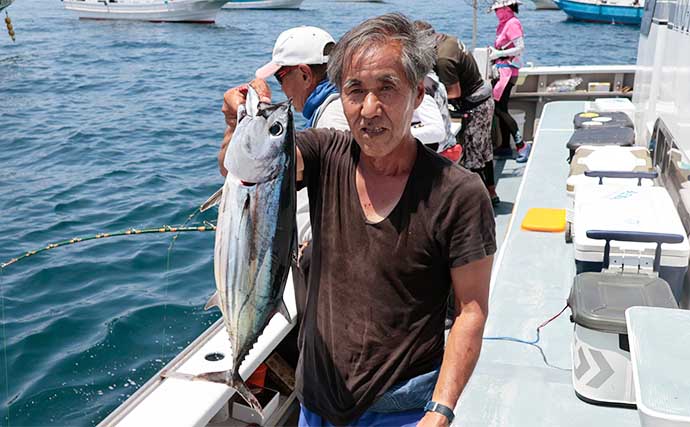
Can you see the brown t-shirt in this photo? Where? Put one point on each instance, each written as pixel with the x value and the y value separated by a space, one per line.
pixel 455 64
pixel 376 298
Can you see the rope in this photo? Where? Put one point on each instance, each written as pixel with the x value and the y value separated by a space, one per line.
pixel 535 341
pixel 128 232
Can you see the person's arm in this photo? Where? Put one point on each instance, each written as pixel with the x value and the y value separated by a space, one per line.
pixel 427 122
pixel 454 91
pixel 471 287
pixel 517 50
pixel 232 99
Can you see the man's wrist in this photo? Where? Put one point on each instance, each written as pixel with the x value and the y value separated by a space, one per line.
pixel 438 408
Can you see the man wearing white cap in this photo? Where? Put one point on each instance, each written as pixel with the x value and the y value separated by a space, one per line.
pixel 299 63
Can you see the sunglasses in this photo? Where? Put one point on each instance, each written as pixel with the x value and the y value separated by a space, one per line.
pixel 284 71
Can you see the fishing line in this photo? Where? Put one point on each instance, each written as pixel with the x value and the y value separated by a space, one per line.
pixel 168 263
pixel 534 342
pixel 129 232
pixel 4 342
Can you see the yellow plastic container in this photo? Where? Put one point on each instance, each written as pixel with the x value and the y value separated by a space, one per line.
pixel 544 219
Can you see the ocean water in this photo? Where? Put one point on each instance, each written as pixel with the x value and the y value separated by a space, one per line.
pixel 110 125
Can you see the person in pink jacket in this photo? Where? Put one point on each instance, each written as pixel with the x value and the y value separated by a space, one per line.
pixel 505 54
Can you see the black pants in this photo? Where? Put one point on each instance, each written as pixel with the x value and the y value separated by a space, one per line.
pixel 507 124
pixel 487 173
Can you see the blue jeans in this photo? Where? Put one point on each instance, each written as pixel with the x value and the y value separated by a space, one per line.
pixel 402 405
pixel 369 419
pixel 408 395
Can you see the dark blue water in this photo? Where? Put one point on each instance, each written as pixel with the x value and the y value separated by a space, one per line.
pixel 111 125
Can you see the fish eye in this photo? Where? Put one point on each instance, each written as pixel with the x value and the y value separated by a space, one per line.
pixel 276 129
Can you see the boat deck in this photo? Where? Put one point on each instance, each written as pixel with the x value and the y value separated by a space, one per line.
pixel 512 384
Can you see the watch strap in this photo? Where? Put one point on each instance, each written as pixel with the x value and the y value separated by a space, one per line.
pixel 432 406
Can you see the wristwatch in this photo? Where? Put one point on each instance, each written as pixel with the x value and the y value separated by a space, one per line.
pixel 432 406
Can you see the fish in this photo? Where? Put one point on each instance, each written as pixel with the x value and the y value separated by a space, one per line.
pixel 256 233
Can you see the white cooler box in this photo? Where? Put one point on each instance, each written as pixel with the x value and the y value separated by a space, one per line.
pixel 590 158
pixel 602 370
pixel 614 104
pixel 660 354
pixel 636 209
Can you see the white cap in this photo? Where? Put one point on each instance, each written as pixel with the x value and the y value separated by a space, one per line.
pixel 504 3
pixel 299 45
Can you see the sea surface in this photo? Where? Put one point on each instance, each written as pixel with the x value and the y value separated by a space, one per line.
pixel 110 125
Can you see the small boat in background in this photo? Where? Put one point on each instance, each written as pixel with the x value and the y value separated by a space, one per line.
pixel 609 11
pixel 263 4
pixel 196 11
pixel 4 4
pixel 544 5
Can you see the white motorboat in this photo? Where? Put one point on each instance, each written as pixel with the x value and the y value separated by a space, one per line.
pixel 5 3
pixel 198 11
pixel 544 5
pixel 263 4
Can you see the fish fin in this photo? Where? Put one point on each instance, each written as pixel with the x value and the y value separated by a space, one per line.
pixel 177 375
pixel 214 301
pixel 211 201
pixel 282 309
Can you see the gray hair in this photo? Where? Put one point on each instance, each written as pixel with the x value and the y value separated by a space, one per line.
pixel 418 53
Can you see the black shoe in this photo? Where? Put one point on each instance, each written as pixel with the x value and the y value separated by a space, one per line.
pixel 495 200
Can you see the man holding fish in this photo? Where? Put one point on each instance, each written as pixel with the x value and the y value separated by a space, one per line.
pixel 394 226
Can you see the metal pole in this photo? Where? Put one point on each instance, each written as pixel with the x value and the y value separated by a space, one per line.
pixel 474 24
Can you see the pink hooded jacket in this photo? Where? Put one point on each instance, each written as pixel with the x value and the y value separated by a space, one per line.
pixel 509 28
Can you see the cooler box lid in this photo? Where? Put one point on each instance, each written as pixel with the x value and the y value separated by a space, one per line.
pixel 598 300
pixel 627 208
pixel 602 135
pixel 596 119
pixel 610 158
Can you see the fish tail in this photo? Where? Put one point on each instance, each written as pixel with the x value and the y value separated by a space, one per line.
pixel 239 385
pixel 235 382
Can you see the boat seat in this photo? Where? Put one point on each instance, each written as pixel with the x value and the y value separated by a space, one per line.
pixel 602 119
pixel 600 136
pixel 660 353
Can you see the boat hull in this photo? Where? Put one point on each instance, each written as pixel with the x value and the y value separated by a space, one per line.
pixel 201 11
pixel 263 4
pixel 599 12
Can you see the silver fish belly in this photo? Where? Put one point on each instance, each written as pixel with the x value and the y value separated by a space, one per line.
pixel 256 231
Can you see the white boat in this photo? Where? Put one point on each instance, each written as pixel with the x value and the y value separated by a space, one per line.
pixel 5 3
pixel 518 381
pixel 544 5
pixel 263 4
pixel 197 11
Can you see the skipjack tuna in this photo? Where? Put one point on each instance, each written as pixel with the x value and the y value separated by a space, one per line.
pixel 256 230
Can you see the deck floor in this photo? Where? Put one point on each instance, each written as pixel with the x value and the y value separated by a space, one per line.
pixel 512 384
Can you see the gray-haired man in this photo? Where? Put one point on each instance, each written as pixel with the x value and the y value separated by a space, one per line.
pixel 394 227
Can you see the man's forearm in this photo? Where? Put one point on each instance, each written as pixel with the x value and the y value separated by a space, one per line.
pixel 460 357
